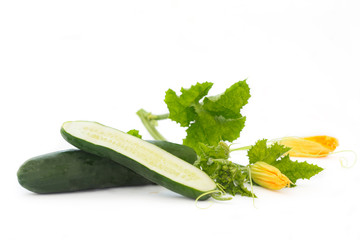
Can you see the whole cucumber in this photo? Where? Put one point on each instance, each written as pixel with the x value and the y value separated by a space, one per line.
pixel 76 170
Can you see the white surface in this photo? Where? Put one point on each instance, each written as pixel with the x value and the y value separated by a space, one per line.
pixel 103 60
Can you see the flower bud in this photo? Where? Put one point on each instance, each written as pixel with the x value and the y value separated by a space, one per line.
pixel 268 176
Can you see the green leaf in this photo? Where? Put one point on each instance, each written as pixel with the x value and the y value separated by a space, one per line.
pixel 230 102
pixel 261 152
pixel 134 133
pixel 211 130
pixel 215 119
pixel 296 170
pixel 222 151
pixel 181 108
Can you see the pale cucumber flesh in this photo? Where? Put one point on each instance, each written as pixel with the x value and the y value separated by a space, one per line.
pixel 144 153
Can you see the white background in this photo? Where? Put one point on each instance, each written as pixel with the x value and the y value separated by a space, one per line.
pixel 104 60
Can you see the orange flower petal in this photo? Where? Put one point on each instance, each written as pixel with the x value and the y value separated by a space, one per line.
pixel 268 176
pixel 326 141
pixel 314 146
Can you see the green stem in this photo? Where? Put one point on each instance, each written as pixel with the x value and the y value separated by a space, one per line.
pixel 149 121
pixel 158 117
pixel 240 148
pixel 269 143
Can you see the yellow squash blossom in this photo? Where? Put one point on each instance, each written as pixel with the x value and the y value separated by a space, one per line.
pixel 314 146
pixel 268 176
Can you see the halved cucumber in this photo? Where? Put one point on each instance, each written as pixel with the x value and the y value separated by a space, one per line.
pixel 144 158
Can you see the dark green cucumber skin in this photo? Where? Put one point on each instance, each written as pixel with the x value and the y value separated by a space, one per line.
pixel 133 165
pixel 77 170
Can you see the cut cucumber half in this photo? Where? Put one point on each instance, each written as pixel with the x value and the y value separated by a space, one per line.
pixel 144 158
